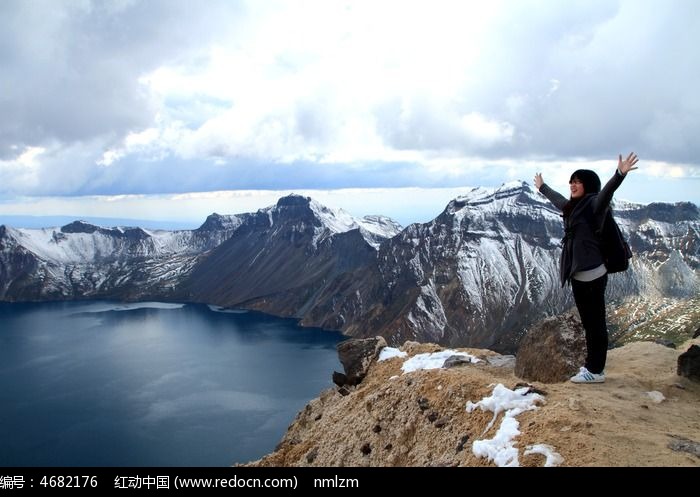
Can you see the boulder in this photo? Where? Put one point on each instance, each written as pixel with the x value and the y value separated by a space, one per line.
pixel 356 355
pixel 501 361
pixel 339 379
pixel 454 361
pixel 552 350
pixel 689 363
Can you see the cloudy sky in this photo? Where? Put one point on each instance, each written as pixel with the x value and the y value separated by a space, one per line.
pixel 173 108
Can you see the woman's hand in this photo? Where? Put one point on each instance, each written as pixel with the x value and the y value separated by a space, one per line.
pixel 538 181
pixel 627 165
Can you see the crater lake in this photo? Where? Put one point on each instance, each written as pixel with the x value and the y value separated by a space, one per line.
pixel 152 384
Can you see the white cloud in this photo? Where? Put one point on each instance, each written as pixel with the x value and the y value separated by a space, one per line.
pixel 486 131
pixel 29 156
pixel 132 96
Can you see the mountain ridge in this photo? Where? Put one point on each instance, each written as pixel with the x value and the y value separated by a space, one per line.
pixel 476 275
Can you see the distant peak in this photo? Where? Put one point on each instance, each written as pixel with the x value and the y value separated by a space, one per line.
pixel 293 200
pixel 515 184
pixel 510 195
pixel 328 221
pixel 79 227
pixel 483 194
pixel 299 205
pixel 219 222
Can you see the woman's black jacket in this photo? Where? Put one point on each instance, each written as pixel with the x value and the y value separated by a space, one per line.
pixel 581 243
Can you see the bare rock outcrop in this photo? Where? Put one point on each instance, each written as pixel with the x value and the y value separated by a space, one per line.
pixel 689 363
pixel 552 350
pixel 356 355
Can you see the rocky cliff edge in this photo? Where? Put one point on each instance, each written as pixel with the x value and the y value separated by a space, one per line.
pixel 643 415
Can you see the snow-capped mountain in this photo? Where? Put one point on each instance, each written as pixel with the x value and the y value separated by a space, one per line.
pixel 488 263
pixel 476 275
pixel 488 266
pixel 80 260
pixel 283 256
pixel 80 242
pixel 329 222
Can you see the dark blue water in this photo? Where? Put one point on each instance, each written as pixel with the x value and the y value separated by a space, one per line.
pixel 104 384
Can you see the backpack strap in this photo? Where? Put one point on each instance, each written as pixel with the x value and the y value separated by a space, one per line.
pixel 600 222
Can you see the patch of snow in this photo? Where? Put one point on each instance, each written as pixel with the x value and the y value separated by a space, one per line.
pixel 656 396
pixel 335 220
pixel 390 352
pixel 416 268
pixel 268 211
pixel 51 244
pixel 374 229
pixel 430 313
pixel 482 204
pixel 433 360
pixel 381 225
pixel 552 458
pixel 230 221
pixel 626 205
pixel 501 448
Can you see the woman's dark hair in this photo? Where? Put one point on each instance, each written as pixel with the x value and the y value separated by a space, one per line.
pixel 590 180
pixel 591 184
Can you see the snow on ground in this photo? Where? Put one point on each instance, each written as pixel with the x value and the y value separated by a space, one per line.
pixel 390 352
pixel 501 448
pixel 656 396
pixel 433 360
pixel 552 457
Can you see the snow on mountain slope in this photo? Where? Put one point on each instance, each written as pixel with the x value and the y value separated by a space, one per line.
pixel 374 229
pixel 52 245
pixel 306 213
pixel 508 198
pixel 495 253
pixel 488 266
pixel 84 243
pixel 80 260
pixel 282 257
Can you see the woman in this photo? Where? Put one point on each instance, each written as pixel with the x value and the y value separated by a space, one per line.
pixel 581 259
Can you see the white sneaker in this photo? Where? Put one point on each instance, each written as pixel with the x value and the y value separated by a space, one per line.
pixel 585 376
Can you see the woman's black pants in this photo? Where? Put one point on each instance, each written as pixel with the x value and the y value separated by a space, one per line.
pixel 590 301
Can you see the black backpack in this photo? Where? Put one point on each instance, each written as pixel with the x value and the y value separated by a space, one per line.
pixel 615 249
